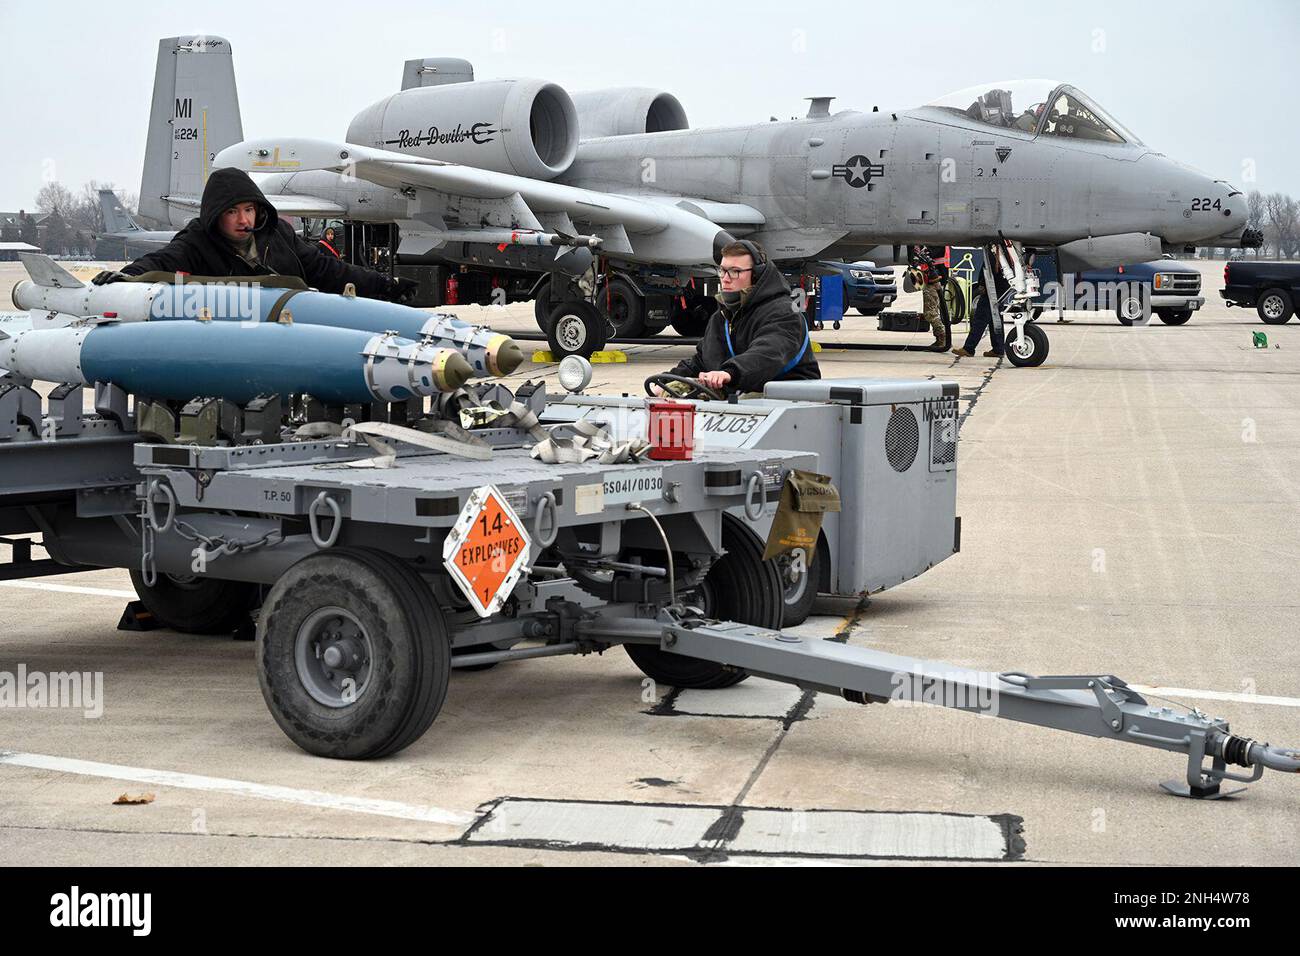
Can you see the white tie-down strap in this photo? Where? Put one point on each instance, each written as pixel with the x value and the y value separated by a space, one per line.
pixel 589 442
pixel 474 414
pixel 315 430
pixel 478 451
pixel 373 433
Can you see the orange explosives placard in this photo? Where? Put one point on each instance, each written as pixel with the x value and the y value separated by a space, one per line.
pixel 486 550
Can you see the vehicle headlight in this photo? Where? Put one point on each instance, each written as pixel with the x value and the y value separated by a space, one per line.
pixel 860 273
pixel 1162 280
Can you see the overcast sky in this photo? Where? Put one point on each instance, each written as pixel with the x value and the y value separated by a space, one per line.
pixel 1209 83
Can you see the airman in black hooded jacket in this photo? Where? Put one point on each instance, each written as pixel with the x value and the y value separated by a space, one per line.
pixel 238 233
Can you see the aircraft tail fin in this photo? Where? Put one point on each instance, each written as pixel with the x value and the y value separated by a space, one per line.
pixel 116 217
pixel 47 273
pixel 195 115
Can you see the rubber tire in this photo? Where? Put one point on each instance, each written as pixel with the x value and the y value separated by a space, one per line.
pixel 797 611
pixel 412 662
pixel 1285 317
pixel 543 307
pixel 692 322
pixel 593 327
pixel 1038 356
pixel 956 305
pixel 869 313
pixel 633 324
pixel 746 589
pixel 211 606
pixel 1174 316
pixel 1119 312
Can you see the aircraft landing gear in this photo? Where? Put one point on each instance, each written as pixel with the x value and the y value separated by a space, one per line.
pixel 576 328
pixel 576 325
pixel 1026 345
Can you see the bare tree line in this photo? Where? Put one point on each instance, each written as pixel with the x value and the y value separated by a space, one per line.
pixel 72 219
pixel 1277 215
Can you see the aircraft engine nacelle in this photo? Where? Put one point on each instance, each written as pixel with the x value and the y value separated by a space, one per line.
pixel 524 127
pixel 627 110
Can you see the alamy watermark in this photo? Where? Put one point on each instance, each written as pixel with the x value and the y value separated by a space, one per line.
pixel 71 690
pixel 974 691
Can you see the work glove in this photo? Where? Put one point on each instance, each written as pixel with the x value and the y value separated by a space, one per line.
pixel 107 276
pixel 402 290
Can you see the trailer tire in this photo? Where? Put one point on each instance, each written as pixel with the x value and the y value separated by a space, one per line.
pixel 388 618
pixel 740 586
pixel 1274 307
pixel 197 605
pixel 800 593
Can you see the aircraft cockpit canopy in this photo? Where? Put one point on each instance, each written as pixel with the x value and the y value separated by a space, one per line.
pixel 1041 107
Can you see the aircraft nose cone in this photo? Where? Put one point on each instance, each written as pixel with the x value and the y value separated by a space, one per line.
pixel 457 371
pixel 509 357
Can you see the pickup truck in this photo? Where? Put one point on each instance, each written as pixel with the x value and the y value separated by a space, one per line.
pixel 1271 288
pixel 867 287
pixel 1170 289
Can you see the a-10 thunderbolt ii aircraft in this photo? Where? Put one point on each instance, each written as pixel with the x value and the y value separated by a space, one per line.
pixel 518 174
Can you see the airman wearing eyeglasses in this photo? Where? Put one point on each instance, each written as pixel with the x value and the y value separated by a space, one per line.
pixel 759 333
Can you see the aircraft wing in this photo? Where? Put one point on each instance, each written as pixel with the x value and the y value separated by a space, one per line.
pixel 450 197
pixel 308 207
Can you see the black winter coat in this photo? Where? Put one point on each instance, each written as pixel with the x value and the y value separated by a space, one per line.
pixel 766 335
pixel 200 249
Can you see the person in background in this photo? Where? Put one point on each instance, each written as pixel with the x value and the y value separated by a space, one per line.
pixel 982 316
pixel 926 265
pixel 329 243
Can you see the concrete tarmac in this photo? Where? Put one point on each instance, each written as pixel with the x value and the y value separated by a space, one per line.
pixel 1129 508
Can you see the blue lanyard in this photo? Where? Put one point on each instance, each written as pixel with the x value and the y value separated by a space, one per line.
pixel 726 331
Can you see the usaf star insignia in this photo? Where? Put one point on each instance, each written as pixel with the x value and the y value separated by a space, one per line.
pixel 858 171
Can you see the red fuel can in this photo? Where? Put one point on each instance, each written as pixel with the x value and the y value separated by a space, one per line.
pixel 672 430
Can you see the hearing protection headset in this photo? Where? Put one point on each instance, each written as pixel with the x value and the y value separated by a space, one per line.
pixel 756 253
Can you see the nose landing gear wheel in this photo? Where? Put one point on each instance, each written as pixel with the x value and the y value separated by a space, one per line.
pixel 1030 352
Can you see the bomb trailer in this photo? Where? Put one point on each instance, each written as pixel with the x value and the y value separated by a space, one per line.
pixel 383 558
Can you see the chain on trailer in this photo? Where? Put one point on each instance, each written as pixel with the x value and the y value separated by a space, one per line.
pixel 211 547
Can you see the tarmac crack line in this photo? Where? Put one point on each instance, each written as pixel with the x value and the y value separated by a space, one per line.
pixel 976 393
pixel 727 827
pixel 109 831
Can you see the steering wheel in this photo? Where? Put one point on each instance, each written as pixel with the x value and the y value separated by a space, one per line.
pixel 697 389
